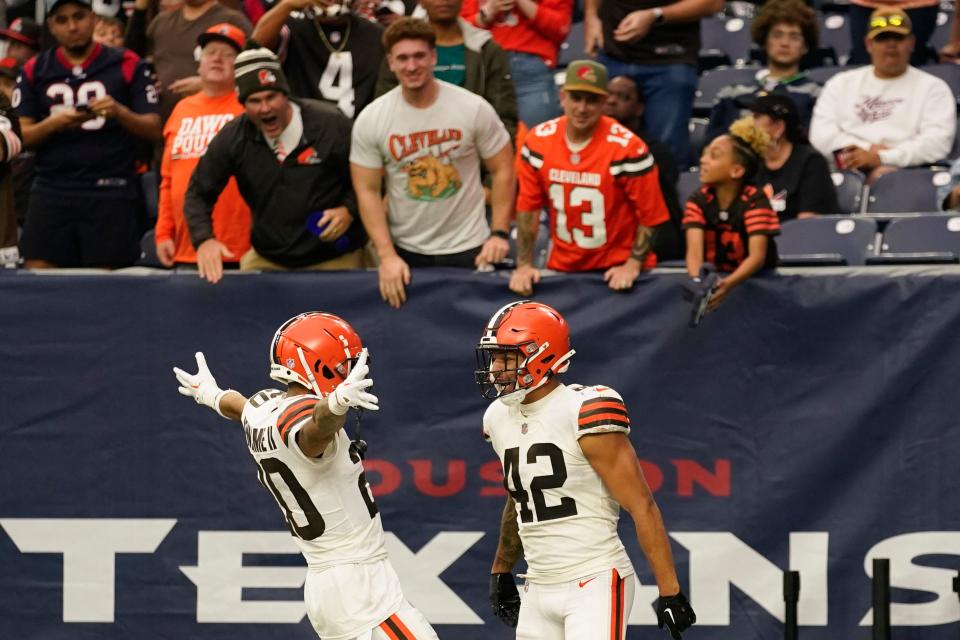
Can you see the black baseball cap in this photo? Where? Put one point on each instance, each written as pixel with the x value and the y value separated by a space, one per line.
pixel 775 104
pixel 52 5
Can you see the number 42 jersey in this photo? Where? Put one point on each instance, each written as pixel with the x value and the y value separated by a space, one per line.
pixel 566 516
pixel 326 501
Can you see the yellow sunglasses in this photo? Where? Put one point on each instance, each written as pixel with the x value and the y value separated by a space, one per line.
pixel 888 21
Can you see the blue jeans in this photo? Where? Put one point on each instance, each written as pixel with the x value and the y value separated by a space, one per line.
pixel 668 90
pixel 537 99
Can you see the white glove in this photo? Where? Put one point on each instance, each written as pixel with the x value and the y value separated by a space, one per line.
pixel 352 391
pixel 200 386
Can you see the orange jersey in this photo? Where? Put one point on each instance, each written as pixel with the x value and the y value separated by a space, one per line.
pixel 596 196
pixel 194 122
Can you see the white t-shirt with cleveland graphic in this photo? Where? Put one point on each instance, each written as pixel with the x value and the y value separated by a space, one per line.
pixel 432 159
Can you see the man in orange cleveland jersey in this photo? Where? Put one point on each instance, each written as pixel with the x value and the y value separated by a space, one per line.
pixel 599 183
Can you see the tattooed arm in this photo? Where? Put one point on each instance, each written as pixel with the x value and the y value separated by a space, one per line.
pixel 525 275
pixel 623 276
pixel 509 547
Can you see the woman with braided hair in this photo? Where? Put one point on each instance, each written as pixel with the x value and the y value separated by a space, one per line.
pixel 729 221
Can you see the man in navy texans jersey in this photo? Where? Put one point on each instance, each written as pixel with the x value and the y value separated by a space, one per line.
pixel 82 107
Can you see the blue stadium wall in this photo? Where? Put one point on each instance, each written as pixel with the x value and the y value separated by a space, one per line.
pixel 810 424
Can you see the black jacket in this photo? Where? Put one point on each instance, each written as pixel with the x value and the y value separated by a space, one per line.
pixel 315 176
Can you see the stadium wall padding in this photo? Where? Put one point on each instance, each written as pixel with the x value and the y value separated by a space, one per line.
pixel 811 423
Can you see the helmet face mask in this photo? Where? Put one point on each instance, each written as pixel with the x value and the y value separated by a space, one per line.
pixel 315 350
pixel 499 373
pixel 524 345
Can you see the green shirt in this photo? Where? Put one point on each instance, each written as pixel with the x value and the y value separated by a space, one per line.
pixel 450 64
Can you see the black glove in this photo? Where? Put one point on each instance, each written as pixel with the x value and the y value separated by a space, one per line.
pixel 675 612
pixel 698 292
pixel 504 598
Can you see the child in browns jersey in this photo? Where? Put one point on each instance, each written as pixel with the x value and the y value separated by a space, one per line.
pixel 729 221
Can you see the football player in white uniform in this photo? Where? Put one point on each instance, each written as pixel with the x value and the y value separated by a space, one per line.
pixel 569 467
pixel 305 459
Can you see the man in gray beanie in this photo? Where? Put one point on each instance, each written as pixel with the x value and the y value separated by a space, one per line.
pixel 291 161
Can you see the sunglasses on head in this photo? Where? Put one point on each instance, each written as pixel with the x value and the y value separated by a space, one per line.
pixel 887 21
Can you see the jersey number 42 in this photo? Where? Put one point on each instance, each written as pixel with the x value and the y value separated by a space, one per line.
pixel 513 483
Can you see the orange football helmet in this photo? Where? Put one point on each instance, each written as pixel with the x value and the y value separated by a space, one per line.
pixel 541 339
pixel 316 350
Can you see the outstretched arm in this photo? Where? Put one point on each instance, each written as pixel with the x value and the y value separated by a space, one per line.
pixel 328 417
pixel 202 387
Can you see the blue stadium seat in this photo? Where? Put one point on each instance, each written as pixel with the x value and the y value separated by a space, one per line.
pixel 906 190
pixel 941 33
pixel 572 48
pixel 835 35
pixel 949 73
pixel 921 239
pixel 849 186
pixel 698 139
pixel 711 82
pixel 728 35
pixel 822 74
pixel 688 183
pixel 826 241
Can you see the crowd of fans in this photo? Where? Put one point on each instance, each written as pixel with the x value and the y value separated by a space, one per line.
pixel 329 134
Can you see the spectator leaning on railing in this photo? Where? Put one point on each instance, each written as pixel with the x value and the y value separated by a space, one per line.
pixel 290 159
pixel 83 106
pixel 428 138
pixel 728 221
pixel 194 122
pixel 887 114
pixel 599 183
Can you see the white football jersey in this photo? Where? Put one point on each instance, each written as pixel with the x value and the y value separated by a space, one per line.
pixel 566 516
pixel 326 501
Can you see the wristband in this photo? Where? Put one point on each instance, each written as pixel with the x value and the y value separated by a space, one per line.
pixel 335 406
pixel 216 402
pixel 498 233
pixel 658 16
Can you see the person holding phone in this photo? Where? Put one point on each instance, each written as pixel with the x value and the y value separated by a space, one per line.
pixel 85 207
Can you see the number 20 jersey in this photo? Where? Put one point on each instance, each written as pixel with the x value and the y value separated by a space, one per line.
pixel 596 196
pixel 326 501
pixel 566 516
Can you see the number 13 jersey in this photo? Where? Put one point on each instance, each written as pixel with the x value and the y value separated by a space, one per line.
pixel 596 196
pixel 326 501
pixel 566 516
